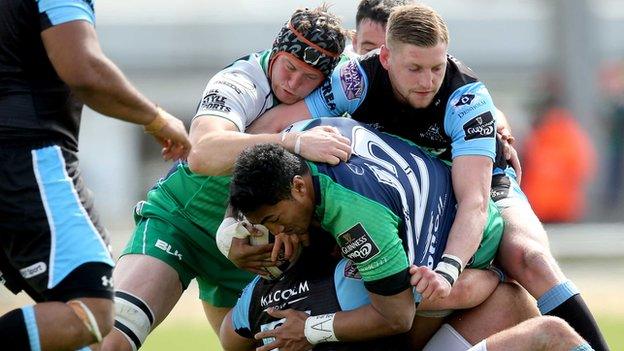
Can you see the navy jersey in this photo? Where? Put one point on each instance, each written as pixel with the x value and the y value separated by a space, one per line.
pixel 34 102
pixel 391 205
pixel 459 121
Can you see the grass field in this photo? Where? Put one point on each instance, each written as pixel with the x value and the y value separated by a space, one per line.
pixel 198 336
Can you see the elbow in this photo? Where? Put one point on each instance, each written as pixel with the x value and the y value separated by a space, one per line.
pixel 198 165
pixel 402 322
pixel 88 76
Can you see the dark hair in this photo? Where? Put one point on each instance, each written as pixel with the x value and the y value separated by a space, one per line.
pixel 263 175
pixel 377 10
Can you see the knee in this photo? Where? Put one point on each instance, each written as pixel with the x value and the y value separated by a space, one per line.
pixel 96 315
pixel 554 331
pixel 530 259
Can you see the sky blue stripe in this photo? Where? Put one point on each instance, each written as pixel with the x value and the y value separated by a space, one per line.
pixel 61 11
pixel 350 292
pixel 75 240
pixel 31 328
pixel 556 296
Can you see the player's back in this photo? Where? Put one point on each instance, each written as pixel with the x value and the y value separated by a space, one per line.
pixel 396 173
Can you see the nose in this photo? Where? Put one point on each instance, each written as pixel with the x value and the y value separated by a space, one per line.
pixel 295 81
pixel 425 80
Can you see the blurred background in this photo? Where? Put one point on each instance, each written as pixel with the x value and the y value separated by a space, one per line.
pixel 555 67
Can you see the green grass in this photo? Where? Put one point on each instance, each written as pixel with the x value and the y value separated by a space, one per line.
pixel 192 336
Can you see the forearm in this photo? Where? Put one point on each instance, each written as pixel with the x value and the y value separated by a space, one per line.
pixel 215 152
pixel 106 90
pixel 472 288
pixel 376 320
pixel 467 229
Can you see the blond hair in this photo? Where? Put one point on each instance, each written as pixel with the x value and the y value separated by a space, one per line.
pixel 416 24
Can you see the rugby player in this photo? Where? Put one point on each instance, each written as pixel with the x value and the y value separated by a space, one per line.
pixel 52 245
pixel 174 238
pixel 318 283
pixel 370 24
pixel 413 88
pixel 390 206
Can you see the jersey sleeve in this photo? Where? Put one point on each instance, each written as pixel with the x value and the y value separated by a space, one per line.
pixel 55 12
pixel 367 233
pixel 343 92
pixel 349 286
pixel 240 312
pixel 469 121
pixel 233 94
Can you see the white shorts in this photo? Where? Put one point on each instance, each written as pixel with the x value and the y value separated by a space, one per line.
pixel 448 339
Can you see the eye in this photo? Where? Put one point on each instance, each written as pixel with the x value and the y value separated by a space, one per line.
pixel 311 77
pixel 290 66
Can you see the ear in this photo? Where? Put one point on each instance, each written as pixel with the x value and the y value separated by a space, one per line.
pixel 384 56
pixel 298 186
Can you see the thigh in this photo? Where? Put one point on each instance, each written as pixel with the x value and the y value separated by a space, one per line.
pixel 151 280
pixel 215 315
pixel 486 319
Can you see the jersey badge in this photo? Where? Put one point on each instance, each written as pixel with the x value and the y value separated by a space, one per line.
pixel 351 80
pixel 465 99
pixel 482 126
pixel 357 245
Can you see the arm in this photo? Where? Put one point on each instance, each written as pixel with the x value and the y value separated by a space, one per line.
pixel 384 316
pixel 76 55
pixel 471 289
pixel 280 117
pixel 216 144
pixel 230 340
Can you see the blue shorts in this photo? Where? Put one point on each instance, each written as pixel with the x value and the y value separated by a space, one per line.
pixel 505 191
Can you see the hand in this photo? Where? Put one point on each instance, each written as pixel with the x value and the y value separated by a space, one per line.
pixel 428 283
pixel 290 335
pixel 290 244
pixel 250 258
pixel 321 144
pixel 511 155
pixel 171 135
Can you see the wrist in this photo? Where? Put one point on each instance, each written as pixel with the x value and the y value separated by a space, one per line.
pixel 449 268
pixel 291 142
pixel 158 123
pixel 319 329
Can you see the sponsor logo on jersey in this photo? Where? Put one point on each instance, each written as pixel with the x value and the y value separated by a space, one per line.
pixel 33 270
pixel 326 89
pixel 434 225
pixel 482 126
pixel 357 245
pixel 356 169
pixel 168 249
pixel 471 108
pixel 283 295
pixel 465 99
pixel 351 80
pixel 215 101
pixel 351 271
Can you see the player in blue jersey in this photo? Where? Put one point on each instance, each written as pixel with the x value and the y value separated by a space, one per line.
pixel 390 206
pixel 52 245
pixel 413 88
pixel 317 283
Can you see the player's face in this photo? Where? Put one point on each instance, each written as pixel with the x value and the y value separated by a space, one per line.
pixel 416 73
pixel 292 80
pixel 289 216
pixel 370 35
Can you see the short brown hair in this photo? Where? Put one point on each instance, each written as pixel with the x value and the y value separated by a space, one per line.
pixel 416 24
